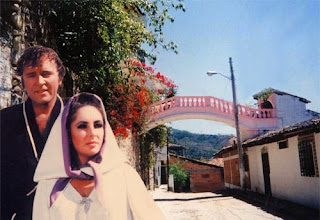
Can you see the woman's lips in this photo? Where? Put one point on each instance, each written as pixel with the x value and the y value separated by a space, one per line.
pixel 92 143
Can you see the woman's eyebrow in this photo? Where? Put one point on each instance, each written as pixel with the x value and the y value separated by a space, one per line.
pixel 82 122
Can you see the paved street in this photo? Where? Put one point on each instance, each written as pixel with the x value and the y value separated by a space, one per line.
pixel 187 206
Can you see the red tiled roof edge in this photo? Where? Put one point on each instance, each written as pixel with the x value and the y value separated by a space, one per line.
pixel 195 161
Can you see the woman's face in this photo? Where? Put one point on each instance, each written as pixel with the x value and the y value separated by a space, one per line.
pixel 87 132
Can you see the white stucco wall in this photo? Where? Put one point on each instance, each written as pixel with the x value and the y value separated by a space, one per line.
pixel 255 168
pixel 285 177
pixel 290 110
pixel 157 172
pixel 160 155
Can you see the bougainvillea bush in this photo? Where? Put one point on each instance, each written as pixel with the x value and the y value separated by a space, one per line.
pixel 132 98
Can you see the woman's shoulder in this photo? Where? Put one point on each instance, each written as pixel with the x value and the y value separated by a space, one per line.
pixel 46 184
pixel 123 172
pixel 48 181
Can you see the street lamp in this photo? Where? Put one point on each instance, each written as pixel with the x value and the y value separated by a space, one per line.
pixel 168 167
pixel 236 119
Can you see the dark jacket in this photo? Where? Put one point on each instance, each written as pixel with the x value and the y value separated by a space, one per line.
pixel 18 162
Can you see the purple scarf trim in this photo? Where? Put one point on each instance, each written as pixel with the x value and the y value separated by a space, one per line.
pixel 72 173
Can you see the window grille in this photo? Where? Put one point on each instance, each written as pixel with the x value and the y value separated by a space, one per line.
pixel 283 144
pixel 307 157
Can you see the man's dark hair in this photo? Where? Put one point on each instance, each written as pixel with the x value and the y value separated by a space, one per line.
pixel 32 56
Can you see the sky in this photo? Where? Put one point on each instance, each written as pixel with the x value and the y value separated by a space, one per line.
pixel 272 43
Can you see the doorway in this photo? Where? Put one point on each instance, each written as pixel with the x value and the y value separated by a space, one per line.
pixel 164 174
pixel 266 173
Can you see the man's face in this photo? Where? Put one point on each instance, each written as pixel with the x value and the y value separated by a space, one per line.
pixel 42 82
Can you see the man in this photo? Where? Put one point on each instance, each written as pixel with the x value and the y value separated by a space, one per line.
pixel 25 128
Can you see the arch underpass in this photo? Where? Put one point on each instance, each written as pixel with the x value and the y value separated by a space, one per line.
pixel 251 120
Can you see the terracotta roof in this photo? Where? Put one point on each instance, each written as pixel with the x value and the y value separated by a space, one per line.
pixel 194 160
pixel 302 128
pixel 225 150
pixel 305 127
pixel 313 113
pixel 216 161
pixel 176 146
pixel 255 96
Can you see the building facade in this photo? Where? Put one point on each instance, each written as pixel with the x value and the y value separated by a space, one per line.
pixel 203 177
pixel 282 163
pixel 290 109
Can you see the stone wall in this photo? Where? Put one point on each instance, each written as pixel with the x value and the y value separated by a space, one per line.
pixel 131 148
pixel 5 74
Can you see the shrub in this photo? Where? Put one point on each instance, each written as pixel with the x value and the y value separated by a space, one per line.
pixel 180 176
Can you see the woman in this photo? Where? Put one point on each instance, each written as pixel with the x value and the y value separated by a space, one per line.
pixel 88 177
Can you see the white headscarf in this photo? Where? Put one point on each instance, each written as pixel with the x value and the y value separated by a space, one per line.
pixel 55 160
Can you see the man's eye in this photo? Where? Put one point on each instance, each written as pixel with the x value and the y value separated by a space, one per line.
pixel 30 75
pixel 82 126
pixel 45 74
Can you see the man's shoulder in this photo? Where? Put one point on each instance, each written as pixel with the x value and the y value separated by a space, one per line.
pixel 11 122
pixel 12 110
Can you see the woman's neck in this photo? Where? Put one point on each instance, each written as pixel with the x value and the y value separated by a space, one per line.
pixel 83 187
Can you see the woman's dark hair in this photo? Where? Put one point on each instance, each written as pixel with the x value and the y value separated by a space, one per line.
pixel 32 57
pixel 81 100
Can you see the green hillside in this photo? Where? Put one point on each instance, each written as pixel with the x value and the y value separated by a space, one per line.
pixel 199 146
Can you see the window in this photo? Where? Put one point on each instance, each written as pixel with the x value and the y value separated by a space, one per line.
pixel 205 175
pixel 307 156
pixel 283 144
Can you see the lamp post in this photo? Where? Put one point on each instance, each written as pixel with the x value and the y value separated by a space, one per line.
pixel 168 168
pixel 236 120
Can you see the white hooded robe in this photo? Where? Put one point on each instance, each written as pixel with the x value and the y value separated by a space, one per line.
pixel 125 195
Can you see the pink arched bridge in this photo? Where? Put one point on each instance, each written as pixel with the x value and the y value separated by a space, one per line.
pixel 251 120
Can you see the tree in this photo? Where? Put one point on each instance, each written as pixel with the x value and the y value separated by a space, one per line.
pixel 96 40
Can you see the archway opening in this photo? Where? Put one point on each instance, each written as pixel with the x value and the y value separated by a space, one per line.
pixel 266 105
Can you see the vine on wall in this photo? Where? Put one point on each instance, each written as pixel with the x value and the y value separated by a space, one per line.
pixel 148 141
pixel 264 94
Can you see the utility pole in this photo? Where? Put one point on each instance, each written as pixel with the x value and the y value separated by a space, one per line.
pixel 168 157
pixel 236 119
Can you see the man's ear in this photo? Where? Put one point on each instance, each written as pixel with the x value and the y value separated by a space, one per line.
pixel 60 86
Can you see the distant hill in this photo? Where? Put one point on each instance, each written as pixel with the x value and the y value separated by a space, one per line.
pixel 199 146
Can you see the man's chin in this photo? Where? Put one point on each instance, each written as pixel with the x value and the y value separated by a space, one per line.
pixel 42 100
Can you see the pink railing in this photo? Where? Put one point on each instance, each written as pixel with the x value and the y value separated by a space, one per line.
pixel 210 102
